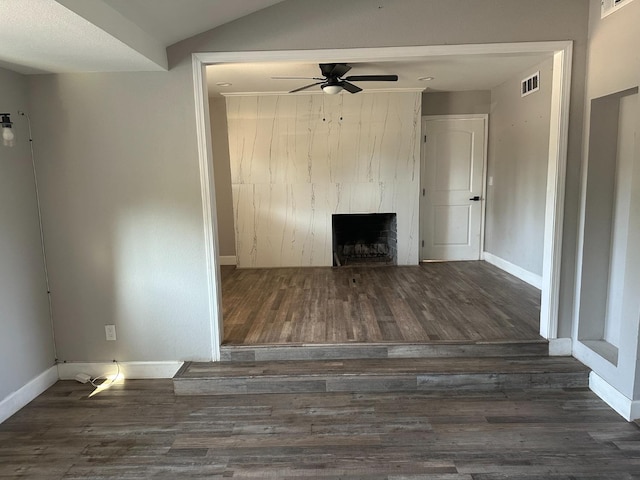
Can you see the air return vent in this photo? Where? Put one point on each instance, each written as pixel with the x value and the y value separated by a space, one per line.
pixel 610 6
pixel 530 84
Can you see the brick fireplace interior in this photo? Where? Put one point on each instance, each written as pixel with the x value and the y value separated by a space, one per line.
pixel 365 239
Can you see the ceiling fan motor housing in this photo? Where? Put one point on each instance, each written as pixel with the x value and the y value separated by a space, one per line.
pixel 334 80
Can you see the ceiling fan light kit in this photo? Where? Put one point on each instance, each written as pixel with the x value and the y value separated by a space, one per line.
pixel 331 89
pixel 333 80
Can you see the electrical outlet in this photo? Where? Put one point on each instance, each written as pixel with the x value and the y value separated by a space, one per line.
pixel 110 331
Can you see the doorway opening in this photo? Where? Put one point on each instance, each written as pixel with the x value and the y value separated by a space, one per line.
pixel 561 52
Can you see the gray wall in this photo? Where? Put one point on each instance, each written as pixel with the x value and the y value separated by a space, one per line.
pixel 222 176
pixel 614 66
pixel 517 163
pixel 122 188
pixel 456 103
pixel 121 200
pixel 26 344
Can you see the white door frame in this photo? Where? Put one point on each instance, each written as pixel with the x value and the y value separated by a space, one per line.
pixel 483 207
pixel 558 144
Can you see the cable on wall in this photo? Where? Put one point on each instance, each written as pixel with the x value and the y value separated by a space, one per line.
pixel 44 252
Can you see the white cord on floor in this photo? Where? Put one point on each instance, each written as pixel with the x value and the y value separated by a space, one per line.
pixel 102 385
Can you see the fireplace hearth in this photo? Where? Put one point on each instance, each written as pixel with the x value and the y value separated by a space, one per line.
pixel 365 239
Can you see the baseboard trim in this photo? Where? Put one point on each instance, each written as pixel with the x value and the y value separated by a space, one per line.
pixel 21 397
pixel 524 275
pixel 627 408
pixel 228 260
pixel 131 370
pixel 560 347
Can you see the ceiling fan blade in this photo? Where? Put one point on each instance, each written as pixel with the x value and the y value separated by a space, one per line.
pixel 327 68
pixel 296 78
pixel 350 87
pixel 372 78
pixel 340 69
pixel 305 87
pixel 334 70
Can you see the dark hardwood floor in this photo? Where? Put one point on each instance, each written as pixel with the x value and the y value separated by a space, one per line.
pixel 141 430
pixel 452 301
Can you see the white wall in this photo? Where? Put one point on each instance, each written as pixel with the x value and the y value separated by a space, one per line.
pixel 298 159
pixel 433 103
pixel 614 66
pixel 122 209
pixel 517 165
pixel 122 189
pixel 26 343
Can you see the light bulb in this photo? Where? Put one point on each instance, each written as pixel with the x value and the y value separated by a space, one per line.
pixel 7 137
pixel 332 89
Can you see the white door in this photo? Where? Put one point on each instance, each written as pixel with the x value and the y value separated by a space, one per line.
pixel 452 188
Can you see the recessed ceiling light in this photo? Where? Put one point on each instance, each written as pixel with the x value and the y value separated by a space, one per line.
pixel 425 79
pixel 224 84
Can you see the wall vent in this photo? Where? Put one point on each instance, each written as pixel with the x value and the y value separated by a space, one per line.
pixel 530 84
pixel 610 6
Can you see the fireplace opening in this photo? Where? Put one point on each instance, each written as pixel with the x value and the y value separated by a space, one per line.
pixel 361 239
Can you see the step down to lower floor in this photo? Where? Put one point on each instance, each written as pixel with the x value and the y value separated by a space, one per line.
pixel 261 353
pixel 379 375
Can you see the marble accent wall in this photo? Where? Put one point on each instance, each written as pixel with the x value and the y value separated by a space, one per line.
pixel 298 159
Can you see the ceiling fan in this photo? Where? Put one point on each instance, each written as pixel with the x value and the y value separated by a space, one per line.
pixel 333 80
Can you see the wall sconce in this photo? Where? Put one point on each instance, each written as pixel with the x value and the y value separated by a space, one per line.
pixel 7 133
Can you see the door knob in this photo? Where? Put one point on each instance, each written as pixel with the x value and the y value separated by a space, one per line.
pixel 476 198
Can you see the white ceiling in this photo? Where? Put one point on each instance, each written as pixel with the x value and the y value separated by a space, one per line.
pixel 39 36
pixel 450 73
pixel 59 36
pixel 173 20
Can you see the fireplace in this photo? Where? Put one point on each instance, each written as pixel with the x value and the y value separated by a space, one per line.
pixel 362 239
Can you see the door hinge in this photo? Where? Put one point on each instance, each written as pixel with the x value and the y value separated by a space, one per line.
pixel 425 139
pixel 422 243
pixel 423 192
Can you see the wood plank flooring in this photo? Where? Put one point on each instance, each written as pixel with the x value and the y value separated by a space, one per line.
pixel 452 301
pixel 380 375
pixel 339 351
pixel 140 430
